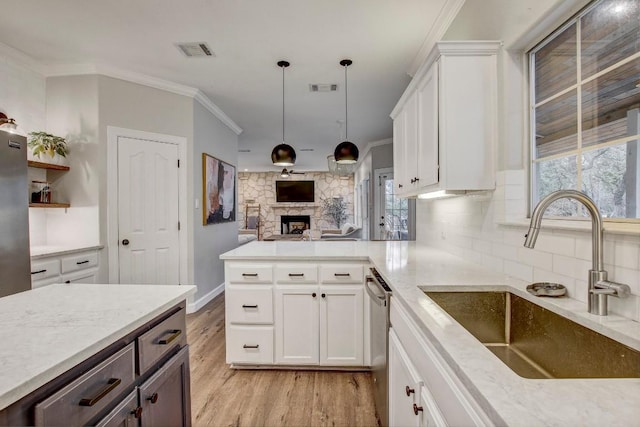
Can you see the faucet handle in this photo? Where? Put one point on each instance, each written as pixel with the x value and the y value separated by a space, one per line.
pixel 608 287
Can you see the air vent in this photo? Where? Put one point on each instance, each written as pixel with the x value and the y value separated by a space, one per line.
pixel 244 150
pixel 306 149
pixel 323 87
pixel 195 49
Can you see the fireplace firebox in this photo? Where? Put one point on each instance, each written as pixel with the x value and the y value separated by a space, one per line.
pixel 294 224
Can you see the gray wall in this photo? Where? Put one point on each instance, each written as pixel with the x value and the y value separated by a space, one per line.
pixel 211 136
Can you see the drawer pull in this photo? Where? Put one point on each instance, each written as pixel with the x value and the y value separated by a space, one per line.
pixel 137 413
pixel 296 274
pixel 153 398
pixel 342 274
pixel 82 262
pixel 39 271
pixel 417 409
pixel 251 346
pixel 111 385
pixel 409 390
pixel 175 333
pixel 249 274
pixel 249 306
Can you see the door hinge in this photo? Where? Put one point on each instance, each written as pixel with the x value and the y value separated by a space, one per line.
pixel 178 162
pixel 178 225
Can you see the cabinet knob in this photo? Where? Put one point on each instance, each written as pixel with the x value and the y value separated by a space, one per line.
pixel 137 413
pixel 409 390
pixel 323 295
pixel 125 242
pixel 153 398
pixel 416 179
pixel 313 294
pixel 416 409
pixel 413 180
pixel 399 185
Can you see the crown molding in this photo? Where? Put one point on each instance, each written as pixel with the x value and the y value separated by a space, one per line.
pixel 21 59
pixel 145 80
pixel 442 23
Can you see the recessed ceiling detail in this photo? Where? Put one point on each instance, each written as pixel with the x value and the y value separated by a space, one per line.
pixel 195 49
pixel 323 87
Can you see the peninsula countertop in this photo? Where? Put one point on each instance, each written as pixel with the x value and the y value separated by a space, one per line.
pixel 511 399
pixel 47 331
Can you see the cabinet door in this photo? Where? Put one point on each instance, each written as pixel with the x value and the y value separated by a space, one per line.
pixel 411 141
pixel 401 182
pixel 404 386
pixel 429 413
pixel 427 154
pixel 341 325
pixel 296 325
pixel 126 414
pixel 165 397
pixel 88 276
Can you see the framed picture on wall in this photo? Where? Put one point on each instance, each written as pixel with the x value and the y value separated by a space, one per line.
pixel 219 191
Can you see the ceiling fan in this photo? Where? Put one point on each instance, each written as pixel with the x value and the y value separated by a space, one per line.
pixel 285 173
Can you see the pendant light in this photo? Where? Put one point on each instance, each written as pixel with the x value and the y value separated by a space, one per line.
pixel 283 154
pixel 346 152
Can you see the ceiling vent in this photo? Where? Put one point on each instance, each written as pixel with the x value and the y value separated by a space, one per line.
pixel 306 149
pixel 323 87
pixel 244 150
pixel 195 49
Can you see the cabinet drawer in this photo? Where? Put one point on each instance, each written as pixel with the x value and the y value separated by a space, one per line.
pixel 79 261
pixel 249 273
pixel 249 304
pixel 161 339
pixel 296 273
pixel 45 269
pixel 338 273
pixel 250 344
pixel 84 398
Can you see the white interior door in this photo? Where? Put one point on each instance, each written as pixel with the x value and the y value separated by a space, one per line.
pixel 148 227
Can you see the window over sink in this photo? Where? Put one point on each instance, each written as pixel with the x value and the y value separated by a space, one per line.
pixel 585 111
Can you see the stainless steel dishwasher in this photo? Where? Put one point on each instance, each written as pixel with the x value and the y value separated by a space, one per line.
pixel 379 298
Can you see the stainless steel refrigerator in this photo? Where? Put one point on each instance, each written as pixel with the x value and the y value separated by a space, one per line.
pixel 15 261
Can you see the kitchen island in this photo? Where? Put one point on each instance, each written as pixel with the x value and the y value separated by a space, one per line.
pixel 48 332
pixel 495 392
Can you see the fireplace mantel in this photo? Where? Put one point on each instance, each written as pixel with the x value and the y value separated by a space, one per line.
pixel 290 206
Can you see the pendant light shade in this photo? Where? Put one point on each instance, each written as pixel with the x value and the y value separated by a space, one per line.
pixel 346 152
pixel 283 154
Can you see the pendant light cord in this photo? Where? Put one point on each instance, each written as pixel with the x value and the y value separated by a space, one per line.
pixel 346 109
pixel 283 104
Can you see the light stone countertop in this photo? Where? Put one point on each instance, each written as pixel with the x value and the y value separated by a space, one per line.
pixel 49 330
pixel 38 252
pixel 515 400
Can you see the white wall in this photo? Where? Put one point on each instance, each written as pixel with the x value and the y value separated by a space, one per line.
pixel 209 242
pixel 471 226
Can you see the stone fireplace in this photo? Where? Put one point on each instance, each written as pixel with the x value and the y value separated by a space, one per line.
pixel 294 224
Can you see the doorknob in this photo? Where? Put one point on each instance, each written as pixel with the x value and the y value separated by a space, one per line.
pixel 125 242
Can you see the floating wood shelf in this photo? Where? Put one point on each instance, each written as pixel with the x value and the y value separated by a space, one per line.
pixel 49 205
pixel 41 165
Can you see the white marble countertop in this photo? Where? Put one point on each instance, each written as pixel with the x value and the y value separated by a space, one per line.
pixel 47 331
pixel 51 250
pixel 517 401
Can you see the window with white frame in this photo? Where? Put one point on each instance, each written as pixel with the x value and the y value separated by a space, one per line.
pixel 585 110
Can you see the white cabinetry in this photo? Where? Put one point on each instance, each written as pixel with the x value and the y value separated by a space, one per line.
pixel 423 390
pixel 446 126
pixel 79 267
pixel 307 315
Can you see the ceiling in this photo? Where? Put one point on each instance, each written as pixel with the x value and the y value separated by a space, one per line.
pixel 382 37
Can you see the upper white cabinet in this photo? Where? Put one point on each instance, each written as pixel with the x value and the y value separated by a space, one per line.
pixel 445 124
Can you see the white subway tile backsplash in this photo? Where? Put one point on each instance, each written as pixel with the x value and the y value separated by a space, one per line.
pixel 482 246
pixel 519 270
pixel 514 192
pixel 627 307
pixel 493 262
pixel 535 258
pixel 627 276
pixel 626 254
pixel 582 291
pixel 507 252
pixel 561 245
pixel 571 266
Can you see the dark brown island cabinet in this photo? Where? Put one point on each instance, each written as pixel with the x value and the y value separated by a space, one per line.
pixel 141 379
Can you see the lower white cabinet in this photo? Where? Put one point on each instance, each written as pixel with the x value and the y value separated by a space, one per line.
pixel 320 325
pixel 313 315
pixel 423 389
pixel 79 267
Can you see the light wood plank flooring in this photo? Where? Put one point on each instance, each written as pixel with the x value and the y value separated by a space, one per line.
pixel 221 396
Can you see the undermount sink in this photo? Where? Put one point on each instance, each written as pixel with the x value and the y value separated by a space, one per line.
pixel 535 342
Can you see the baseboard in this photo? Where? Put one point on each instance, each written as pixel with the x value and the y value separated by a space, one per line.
pixel 192 307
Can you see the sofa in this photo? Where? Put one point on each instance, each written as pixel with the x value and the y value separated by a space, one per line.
pixel 347 231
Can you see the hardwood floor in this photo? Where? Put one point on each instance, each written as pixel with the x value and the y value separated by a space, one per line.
pixel 221 396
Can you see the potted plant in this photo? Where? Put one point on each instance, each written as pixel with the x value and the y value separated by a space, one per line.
pixel 336 209
pixel 48 148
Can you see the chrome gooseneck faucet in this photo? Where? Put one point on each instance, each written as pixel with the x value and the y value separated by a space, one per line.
pixel 599 286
